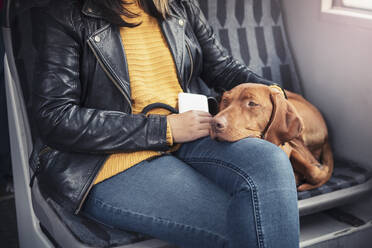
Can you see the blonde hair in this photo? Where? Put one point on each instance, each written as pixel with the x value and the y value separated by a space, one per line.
pixel 162 6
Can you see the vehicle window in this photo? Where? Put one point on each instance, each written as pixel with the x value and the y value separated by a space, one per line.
pixel 357 4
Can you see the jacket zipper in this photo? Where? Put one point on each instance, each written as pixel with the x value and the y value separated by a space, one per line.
pixel 90 187
pixel 38 166
pixel 109 75
pixel 123 93
pixel 44 150
pixel 192 66
pixel 103 66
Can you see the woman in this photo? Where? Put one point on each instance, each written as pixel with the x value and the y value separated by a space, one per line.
pixel 101 62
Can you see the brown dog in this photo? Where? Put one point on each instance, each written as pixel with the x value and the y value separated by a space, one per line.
pixel 256 110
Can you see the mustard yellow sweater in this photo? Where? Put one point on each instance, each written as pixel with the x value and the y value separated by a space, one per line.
pixel 153 78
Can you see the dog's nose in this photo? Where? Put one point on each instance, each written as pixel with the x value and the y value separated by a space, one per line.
pixel 219 124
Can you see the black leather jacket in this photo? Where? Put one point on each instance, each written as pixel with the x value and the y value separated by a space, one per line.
pixel 82 98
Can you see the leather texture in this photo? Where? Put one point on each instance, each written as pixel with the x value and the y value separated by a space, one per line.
pixel 81 96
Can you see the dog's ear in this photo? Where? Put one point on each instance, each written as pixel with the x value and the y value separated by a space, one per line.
pixel 285 123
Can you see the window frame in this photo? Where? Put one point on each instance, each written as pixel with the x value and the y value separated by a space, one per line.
pixel 336 11
pixel 350 4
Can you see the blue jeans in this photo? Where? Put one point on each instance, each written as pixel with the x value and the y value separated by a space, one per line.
pixel 207 194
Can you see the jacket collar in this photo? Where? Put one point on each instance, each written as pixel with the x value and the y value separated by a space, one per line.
pixel 91 9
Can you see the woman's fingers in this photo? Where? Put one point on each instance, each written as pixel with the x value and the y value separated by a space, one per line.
pixel 205 119
pixel 202 116
pixel 204 126
pixel 202 133
pixel 189 125
pixel 201 113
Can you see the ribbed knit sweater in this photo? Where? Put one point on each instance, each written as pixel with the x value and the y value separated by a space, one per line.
pixel 153 78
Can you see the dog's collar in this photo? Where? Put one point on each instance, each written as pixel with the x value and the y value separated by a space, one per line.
pixel 262 136
pixel 277 86
pixel 268 125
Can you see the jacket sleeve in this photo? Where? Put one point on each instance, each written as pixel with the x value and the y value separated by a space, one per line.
pixel 220 70
pixel 63 122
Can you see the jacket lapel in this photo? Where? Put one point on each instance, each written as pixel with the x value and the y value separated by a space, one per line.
pixel 174 33
pixel 107 46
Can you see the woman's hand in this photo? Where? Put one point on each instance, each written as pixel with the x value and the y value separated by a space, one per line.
pixel 190 125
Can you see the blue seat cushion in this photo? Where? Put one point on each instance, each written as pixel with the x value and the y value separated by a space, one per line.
pixel 93 233
pixel 253 32
pixel 346 174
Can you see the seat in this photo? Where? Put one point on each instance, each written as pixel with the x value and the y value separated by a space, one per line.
pixel 42 222
pixel 252 30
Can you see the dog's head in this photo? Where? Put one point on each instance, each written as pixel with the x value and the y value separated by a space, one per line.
pixel 256 110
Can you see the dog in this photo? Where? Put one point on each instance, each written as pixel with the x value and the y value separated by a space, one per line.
pixel 294 124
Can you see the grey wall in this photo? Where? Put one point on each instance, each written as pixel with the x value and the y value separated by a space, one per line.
pixel 334 58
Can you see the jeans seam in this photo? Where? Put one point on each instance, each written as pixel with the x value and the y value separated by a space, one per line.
pixel 159 219
pixel 247 179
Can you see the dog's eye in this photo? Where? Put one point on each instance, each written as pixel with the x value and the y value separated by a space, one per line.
pixel 225 101
pixel 252 104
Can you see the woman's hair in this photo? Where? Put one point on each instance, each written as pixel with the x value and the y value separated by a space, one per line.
pixel 112 10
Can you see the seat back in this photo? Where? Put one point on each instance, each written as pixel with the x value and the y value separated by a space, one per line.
pixel 253 32
pixel 29 232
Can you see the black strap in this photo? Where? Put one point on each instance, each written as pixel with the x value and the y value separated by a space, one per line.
pixel 212 104
pixel 152 106
pixel 284 93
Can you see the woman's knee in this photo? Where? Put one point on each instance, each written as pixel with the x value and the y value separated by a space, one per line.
pixel 264 158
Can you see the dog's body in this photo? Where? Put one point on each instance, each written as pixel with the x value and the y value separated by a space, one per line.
pixel 254 110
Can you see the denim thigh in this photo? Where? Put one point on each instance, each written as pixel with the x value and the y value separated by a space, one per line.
pixel 263 211
pixel 164 198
